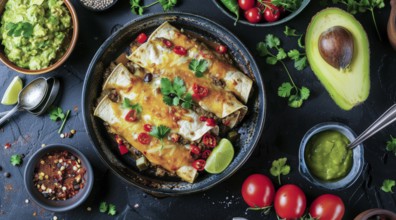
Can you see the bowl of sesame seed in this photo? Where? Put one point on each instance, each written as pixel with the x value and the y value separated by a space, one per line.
pixel 97 5
pixel 58 177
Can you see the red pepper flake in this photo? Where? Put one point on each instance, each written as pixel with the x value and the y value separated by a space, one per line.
pixel 141 38
pixel 203 118
pixel 210 122
pixel 221 49
pixel 167 43
pixel 123 149
pixel 199 164
pixel 179 50
pixel 7 146
pixel 206 154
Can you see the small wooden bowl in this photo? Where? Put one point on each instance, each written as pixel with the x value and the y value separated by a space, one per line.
pixel 72 44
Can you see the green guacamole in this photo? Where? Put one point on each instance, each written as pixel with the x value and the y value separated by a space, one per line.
pixel 35 32
pixel 327 155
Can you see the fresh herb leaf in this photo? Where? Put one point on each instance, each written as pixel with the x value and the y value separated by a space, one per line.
pixel 103 207
pixel 126 103
pixel 279 167
pixel 16 160
pixel 160 132
pixel 391 145
pixel 167 4
pixel 136 7
pixel 289 5
pixel 387 185
pixel 56 113
pixel 21 28
pixel 175 93
pixel 198 67
pixel 290 32
pixel 289 90
pixel 285 89
pixel 112 209
pixel 299 42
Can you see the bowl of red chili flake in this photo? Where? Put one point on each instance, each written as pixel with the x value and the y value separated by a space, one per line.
pixel 58 177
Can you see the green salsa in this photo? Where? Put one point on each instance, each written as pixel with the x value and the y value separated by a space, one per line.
pixel 35 33
pixel 327 155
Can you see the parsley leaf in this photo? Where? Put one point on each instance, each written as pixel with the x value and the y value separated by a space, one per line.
pixel 21 28
pixel 290 32
pixel 289 90
pixel 112 209
pixel 391 145
pixel 167 4
pixel 289 5
pixel 126 103
pixel 16 160
pixel 103 207
pixel 175 93
pixel 198 67
pixel 136 8
pixel 387 185
pixel 56 113
pixel 279 167
pixel 160 132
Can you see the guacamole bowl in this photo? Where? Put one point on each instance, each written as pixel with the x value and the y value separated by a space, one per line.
pixel 39 46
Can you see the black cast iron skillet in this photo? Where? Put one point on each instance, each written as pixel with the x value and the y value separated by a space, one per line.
pixel 250 128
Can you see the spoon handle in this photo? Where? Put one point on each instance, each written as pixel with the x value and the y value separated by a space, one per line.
pixel 9 114
pixel 384 120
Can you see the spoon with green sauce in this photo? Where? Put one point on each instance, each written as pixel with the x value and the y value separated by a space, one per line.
pixel 387 118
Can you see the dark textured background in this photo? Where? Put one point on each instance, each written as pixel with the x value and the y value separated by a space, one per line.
pixel 284 127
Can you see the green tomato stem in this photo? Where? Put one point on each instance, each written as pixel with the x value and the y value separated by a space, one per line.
pixel 375 23
pixel 64 122
pixel 279 180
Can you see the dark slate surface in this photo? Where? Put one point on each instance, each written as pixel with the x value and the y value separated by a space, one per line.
pixel 284 128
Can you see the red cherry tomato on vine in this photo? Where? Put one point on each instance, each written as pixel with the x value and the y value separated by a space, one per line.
pixel 290 202
pixel 246 4
pixel 272 13
pixel 253 15
pixel 327 207
pixel 258 191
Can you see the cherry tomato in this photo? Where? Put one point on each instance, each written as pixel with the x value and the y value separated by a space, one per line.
pixel 290 202
pixel 144 138
pixel 167 43
pixel 221 49
pixel 201 91
pixel 199 164
pixel 253 15
pixel 141 38
pixel 272 13
pixel 246 4
pixel 123 149
pixel 203 118
pixel 206 154
pixel 210 122
pixel 195 149
pixel 258 191
pixel 179 50
pixel 327 207
pixel 209 140
pixel 147 127
pixel 131 116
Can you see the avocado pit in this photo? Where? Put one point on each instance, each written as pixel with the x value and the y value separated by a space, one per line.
pixel 336 47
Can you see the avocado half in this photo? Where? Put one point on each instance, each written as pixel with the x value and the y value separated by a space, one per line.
pixel 347 87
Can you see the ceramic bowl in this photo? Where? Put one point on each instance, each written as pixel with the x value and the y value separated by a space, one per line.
pixel 357 164
pixel 72 43
pixel 242 19
pixel 59 205
pixel 97 10
pixel 373 213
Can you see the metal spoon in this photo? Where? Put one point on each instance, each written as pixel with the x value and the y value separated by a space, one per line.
pixel 387 118
pixel 30 97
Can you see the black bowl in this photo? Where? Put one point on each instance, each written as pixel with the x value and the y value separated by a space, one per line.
pixel 124 166
pixel 61 205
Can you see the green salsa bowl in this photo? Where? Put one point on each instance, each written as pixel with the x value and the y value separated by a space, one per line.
pixel 314 136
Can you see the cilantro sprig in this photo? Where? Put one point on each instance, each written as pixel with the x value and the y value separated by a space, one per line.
pixel 279 167
pixel 289 5
pixel 290 32
pixel 24 29
pixel 160 132
pixel 391 145
pixel 296 95
pixel 138 8
pixel 387 185
pixel 126 103
pixel 175 93
pixel 16 160
pixel 109 208
pixel 362 6
pixel 199 67
pixel 56 113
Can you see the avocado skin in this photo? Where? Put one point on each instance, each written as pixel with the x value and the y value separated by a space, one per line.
pixel 347 87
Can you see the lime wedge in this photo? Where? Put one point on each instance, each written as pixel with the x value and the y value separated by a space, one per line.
pixel 10 96
pixel 220 157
